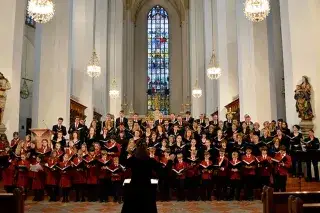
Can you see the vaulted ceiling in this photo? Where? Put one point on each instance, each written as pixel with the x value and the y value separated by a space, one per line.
pixel 181 6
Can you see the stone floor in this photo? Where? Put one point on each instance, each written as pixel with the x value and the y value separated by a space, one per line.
pixel 163 207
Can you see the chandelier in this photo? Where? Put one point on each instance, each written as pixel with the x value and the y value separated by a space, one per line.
pixel 41 11
pixel 114 93
pixel 196 91
pixel 256 10
pixel 93 68
pixel 213 71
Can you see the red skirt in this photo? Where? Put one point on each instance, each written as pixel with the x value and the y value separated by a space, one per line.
pixel 65 180
pixel 23 179
pixel 8 177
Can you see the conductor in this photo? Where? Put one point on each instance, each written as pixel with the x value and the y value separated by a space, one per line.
pixel 140 195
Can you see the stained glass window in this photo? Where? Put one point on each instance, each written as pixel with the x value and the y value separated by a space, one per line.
pixel 158 60
pixel 29 21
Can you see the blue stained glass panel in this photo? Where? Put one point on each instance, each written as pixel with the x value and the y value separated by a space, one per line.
pixel 158 59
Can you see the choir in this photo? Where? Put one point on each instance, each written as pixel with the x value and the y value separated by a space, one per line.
pixel 212 157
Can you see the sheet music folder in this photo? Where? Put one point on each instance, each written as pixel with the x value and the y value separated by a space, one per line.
pixel 153 181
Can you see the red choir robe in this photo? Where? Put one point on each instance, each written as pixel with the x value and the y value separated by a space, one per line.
pixel 179 170
pixel 116 172
pixel 223 166
pixel 8 173
pixel 65 176
pixel 92 171
pixel 103 174
pixel 113 149
pixel 78 172
pixel 282 169
pixel 193 167
pixel 23 173
pixel 52 174
pixel 264 165
pixel 38 178
pixel 249 163
pixel 235 169
pixel 206 170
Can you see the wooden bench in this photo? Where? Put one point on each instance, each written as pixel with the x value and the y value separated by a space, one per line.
pixel 12 202
pixel 296 205
pixel 277 202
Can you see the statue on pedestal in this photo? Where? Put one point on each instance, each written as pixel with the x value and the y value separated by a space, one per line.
pixel 302 95
pixel 4 86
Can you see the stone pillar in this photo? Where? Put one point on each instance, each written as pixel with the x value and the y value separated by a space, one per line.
pixel 197 58
pixel 82 46
pixel 208 22
pixel 12 25
pixel 115 54
pixel 128 54
pixel 52 84
pixel 276 61
pixel 227 52
pixel 100 85
pixel 186 89
pixel 253 67
pixel 301 51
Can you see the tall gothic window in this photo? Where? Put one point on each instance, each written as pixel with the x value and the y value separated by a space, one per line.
pixel 158 60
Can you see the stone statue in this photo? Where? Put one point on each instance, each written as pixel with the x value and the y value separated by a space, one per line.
pixel 4 86
pixel 302 95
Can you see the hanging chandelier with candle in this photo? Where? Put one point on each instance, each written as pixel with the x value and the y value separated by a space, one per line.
pixel 41 11
pixel 196 91
pixel 213 71
pixel 93 68
pixel 114 93
pixel 256 10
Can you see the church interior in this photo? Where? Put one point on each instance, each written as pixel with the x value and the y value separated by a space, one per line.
pixel 221 92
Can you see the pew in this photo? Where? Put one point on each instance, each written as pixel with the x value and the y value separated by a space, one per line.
pixel 277 202
pixel 12 202
pixel 296 205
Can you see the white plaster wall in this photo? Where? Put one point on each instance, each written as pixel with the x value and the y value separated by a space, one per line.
pixel 141 61
pixel 301 53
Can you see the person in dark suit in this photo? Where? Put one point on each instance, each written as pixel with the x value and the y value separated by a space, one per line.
pixel 136 119
pixel 59 128
pixel 202 121
pixel 188 118
pixel 160 121
pixel 140 195
pixel 121 119
pixel 77 126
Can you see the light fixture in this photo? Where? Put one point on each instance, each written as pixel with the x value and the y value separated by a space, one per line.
pixel 213 71
pixel 114 93
pixel 196 91
pixel 41 11
pixel 256 10
pixel 93 68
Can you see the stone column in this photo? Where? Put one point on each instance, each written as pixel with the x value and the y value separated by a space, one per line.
pixel 301 51
pixel 100 85
pixel 115 50
pixel 227 52
pixel 253 67
pixel 52 85
pixel 276 61
pixel 197 57
pixel 208 22
pixel 12 25
pixel 128 54
pixel 82 46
